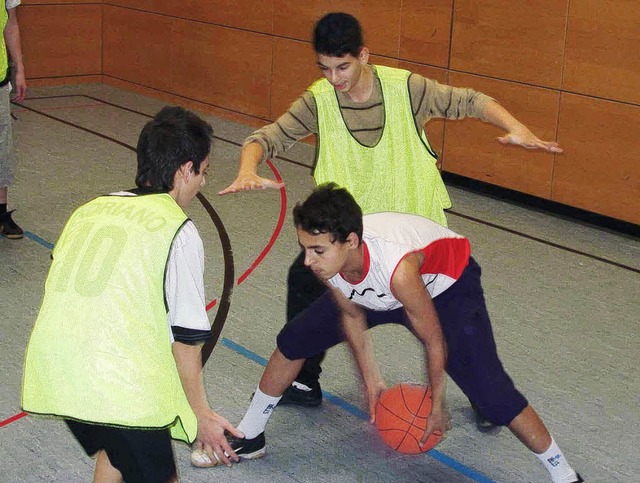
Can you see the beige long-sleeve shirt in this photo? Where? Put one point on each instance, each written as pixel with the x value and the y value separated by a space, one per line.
pixel 429 99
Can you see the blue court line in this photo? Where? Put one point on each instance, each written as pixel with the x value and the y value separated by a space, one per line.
pixel 37 239
pixel 359 413
pixel 341 403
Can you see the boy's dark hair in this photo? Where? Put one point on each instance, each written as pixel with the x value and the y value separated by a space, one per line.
pixel 337 34
pixel 329 209
pixel 172 138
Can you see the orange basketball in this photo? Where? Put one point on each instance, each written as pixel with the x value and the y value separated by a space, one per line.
pixel 401 418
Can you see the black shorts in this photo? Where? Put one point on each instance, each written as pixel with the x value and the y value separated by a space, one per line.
pixel 141 455
pixel 472 357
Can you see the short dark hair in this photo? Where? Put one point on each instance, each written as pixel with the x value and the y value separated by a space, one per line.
pixel 329 209
pixel 337 34
pixel 172 138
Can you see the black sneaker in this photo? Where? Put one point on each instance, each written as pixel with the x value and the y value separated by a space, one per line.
pixel 579 480
pixel 9 228
pixel 246 449
pixel 483 424
pixel 249 449
pixel 302 395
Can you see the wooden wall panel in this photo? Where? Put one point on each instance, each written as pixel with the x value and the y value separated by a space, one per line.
pixel 380 20
pixel 242 14
pixel 137 47
pixel 599 169
pixel 151 6
pixel 294 69
pixel 56 2
pixel 472 150
pixel 226 67
pixel 603 49
pixel 195 105
pixel 251 60
pixel 379 60
pixel 295 20
pixel 426 31
pixel 50 40
pixel 499 38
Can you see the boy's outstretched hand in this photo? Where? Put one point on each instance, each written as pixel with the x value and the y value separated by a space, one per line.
pixel 245 182
pixel 528 140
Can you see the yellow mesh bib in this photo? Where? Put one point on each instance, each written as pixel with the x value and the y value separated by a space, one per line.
pixel 399 173
pixel 100 350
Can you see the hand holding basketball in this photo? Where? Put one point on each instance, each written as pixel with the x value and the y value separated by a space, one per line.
pixel 402 415
pixel 438 423
pixel 373 396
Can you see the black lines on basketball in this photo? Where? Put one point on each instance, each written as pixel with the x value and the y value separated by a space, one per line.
pixel 402 413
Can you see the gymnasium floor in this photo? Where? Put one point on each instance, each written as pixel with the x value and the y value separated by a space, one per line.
pixel 564 298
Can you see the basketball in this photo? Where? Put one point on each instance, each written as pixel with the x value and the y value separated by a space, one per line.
pixel 401 418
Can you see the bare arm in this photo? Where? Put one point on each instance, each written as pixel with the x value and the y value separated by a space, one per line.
pixel 14 47
pixel 211 426
pixel 517 133
pixel 408 287
pixel 354 326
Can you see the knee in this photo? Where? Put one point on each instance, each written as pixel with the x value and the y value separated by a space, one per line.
pixel 289 348
pixel 501 410
pixel 287 353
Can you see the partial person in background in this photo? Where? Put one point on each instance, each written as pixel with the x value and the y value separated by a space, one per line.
pixel 10 47
pixel 369 120
pixel 116 350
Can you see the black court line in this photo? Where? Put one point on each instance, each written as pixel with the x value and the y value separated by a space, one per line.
pixel 545 242
pixel 228 280
pixel 77 126
pixel 451 212
pixel 144 114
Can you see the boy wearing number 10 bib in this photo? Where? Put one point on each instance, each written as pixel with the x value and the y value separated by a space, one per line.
pixel 115 350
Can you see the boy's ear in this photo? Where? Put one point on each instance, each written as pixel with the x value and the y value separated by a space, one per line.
pixel 353 240
pixel 363 56
pixel 186 170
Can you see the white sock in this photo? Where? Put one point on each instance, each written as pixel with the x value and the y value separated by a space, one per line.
pixel 259 412
pixel 556 464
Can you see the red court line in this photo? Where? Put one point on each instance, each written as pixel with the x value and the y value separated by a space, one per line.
pixel 276 232
pixel 12 419
pixel 274 235
pixel 211 305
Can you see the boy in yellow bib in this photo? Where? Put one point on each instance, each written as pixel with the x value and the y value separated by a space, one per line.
pixel 116 347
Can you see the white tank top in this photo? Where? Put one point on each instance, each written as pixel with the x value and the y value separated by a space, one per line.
pixel 388 238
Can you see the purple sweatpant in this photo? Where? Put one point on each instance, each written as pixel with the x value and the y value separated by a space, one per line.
pixel 472 361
